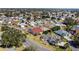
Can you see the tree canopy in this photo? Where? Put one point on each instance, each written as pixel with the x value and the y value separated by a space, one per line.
pixel 69 21
pixel 55 28
pixel 12 37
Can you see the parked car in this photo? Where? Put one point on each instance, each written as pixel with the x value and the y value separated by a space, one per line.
pixel 73 43
pixel 51 42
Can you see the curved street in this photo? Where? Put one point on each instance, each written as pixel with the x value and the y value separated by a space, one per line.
pixel 35 45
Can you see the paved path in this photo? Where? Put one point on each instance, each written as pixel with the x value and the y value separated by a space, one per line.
pixel 74 49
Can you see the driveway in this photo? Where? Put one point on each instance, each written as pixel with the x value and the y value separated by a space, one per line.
pixel 74 49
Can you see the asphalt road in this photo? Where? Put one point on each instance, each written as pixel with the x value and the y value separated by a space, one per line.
pixel 29 43
pixel 34 44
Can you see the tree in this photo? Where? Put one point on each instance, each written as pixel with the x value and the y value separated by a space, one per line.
pixel 77 14
pixel 4 27
pixel 46 32
pixel 45 16
pixel 55 28
pixel 12 37
pixel 53 18
pixel 76 39
pixel 68 27
pixel 69 21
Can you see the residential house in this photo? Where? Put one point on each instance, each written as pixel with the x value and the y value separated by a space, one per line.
pixel 63 33
pixel 22 25
pixel 75 28
pixel 35 30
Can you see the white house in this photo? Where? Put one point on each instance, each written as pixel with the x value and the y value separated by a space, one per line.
pixel 32 23
pixel 63 33
pixel 22 25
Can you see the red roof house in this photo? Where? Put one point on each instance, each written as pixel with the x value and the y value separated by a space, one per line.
pixel 37 30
